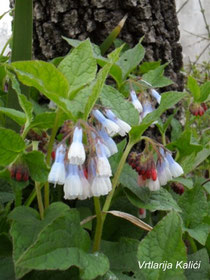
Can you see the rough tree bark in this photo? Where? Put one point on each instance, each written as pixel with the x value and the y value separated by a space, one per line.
pixel 156 20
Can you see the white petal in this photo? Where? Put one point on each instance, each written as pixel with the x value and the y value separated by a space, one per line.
pixel 153 185
pixel 103 167
pixel 76 153
pixel 164 175
pixel 111 146
pixel 137 104
pixel 57 173
pixel 86 191
pixel 156 95
pixel 176 169
pixel 107 150
pixel 124 127
pixel 101 186
pixel 111 127
pixel 72 187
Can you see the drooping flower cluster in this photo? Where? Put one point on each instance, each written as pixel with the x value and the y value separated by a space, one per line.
pixel 155 174
pixel 198 109
pixel 19 172
pixel 144 106
pixel 84 169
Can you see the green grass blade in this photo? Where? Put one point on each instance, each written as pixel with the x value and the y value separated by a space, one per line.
pixel 112 36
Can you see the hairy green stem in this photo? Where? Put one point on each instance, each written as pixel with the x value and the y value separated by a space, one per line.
pixel 164 139
pixel 18 197
pixel 38 187
pixel 32 196
pixel 116 177
pixel 39 199
pixel 101 220
pixel 48 157
pixel 98 232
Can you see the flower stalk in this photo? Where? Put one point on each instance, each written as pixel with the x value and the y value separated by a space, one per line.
pixel 101 216
pixel 38 188
pixel 99 224
pixel 48 157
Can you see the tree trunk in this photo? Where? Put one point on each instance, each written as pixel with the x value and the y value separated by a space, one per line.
pixel 156 20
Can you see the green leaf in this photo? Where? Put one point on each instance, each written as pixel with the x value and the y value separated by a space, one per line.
pixel 44 120
pixel 201 156
pixel 37 166
pixel 6 197
pixel 17 116
pixel 128 176
pixel 205 91
pixel 156 200
pixel 96 89
pixel 79 67
pixel 112 99
pixel 115 70
pixel 130 59
pixel 27 108
pixel 23 101
pixel 190 162
pixel 185 144
pixel 126 248
pixel 109 275
pixel 43 76
pixel 207 187
pixel 187 162
pixel 27 225
pixel 193 87
pixel 11 146
pixel 203 272
pixel 62 244
pixel 91 265
pixel 147 66
pixel 46 78
pixel 6 262
pixel 155 77
pixel 97 85
pixel 77 105
pixel 176 129
pixel 163 243
pixel 75 43
pixel 6 193
pixel 194 206
pixel 199 233
pixel 168 99
pixel 72 273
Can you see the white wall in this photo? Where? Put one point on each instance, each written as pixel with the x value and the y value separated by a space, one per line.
pixel 191 20
pixel 5 24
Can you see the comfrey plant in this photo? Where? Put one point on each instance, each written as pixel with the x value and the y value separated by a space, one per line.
pixel 105 156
